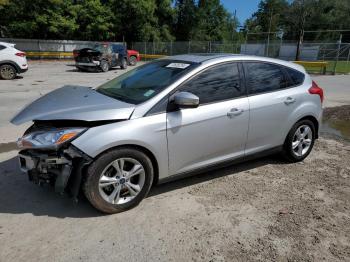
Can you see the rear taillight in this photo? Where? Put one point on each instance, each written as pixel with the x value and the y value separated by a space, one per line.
pixel 75 53
pixel 21 54
pixel 316 90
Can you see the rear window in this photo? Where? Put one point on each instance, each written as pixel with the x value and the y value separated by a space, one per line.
pixel 296 77
pixel 264 77
pixel 2 47
pixel 144 82
pixel 103 48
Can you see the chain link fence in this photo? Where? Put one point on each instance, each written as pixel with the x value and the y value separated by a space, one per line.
pixel 335 53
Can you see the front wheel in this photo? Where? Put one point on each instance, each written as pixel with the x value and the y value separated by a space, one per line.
pixel 104 66
pixel 118 180
pixel 300 141
pixel 8 72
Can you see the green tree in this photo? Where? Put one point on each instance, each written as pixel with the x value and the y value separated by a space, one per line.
pixel 185 20
pixel 93 20
pixel 135 20
pixel 214 23
pixel 270 17
pixel 165 15
pixel 297 16
pixel 39 19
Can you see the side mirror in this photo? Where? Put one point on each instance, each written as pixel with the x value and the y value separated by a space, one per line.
pixel 186 100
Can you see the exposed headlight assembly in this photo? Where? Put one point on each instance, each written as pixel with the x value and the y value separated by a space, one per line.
pixel 47 139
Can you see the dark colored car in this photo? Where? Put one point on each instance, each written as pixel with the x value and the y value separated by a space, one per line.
pixel 101 57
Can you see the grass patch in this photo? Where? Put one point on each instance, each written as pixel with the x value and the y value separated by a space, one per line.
pixel 343 67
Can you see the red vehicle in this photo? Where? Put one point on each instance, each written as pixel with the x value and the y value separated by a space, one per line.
pixel 133 57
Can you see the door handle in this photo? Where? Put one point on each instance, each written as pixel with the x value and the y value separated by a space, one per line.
pixel 234 112
pixel 289 100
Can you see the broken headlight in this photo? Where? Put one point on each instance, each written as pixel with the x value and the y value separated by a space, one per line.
pixel 49 138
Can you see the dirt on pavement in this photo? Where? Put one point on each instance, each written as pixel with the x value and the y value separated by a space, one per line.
pixel 261 210
pixel 337 113
pixel 283 212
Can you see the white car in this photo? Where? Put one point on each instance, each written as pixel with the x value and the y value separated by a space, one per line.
pixel 12 61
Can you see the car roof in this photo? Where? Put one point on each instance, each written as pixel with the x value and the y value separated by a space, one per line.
pixel 222 57
pixel 7 44
pixel 201 57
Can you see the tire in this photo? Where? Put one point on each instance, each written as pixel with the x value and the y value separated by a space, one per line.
pixel 8 72
pixel 124 64
pixel 132 60
pixel 302 146
pixel 102 168
pixel 104 66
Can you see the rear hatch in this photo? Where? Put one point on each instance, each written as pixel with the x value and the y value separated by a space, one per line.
pixel 86 55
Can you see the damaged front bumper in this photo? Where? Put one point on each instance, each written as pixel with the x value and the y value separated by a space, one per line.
pixel 61 169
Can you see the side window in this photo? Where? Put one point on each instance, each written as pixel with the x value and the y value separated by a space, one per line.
pixel 264 77
pixel 118 48
pixel 2 47
pixel 160 107
pixel 296 77
pixel 215 84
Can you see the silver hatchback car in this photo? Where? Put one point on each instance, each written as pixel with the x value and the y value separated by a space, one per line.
pixel 166 119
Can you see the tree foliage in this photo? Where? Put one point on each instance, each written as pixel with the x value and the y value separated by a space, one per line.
pixel 165 20
pixel 129 20
pixel 296 16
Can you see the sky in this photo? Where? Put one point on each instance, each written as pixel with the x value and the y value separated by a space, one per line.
pixel 245 8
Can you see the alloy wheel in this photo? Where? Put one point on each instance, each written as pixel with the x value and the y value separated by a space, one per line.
pixel 132 60
pixel 104 67
pixel 121 181
pixel 7 72
pixel 302 140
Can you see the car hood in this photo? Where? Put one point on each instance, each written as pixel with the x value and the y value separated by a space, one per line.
pixel 74 103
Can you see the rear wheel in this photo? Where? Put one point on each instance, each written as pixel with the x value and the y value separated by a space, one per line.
pixel 104 66
pixel 118 180
pixel 8 72
pixel 300 141
pixel 124 64
pixel 132 60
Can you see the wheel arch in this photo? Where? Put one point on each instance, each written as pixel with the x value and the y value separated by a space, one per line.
pixel 143 149
pixel 9 62
pixel 314 121
pixel 310 117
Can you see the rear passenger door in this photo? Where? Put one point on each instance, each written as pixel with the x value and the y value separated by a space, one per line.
pixel 216 130
pixel 3 53
pixel 272 100
pixel 117 51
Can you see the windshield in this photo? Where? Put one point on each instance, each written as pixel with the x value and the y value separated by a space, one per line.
pixel 144 82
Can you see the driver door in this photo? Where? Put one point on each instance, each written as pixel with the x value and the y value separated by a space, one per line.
pixel 216 130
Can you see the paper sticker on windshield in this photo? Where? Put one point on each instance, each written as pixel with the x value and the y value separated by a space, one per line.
pixel 178 65
pixel 148 93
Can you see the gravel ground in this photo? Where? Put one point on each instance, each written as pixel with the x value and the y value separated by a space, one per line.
pixel 337 113
pixel 261 210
